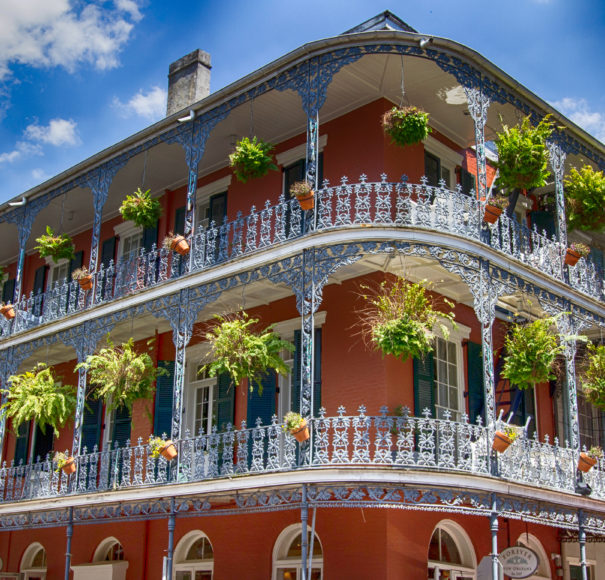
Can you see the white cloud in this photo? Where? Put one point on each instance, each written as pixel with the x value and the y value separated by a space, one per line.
pixel 151 105
pixel 579 112
pixel 39 175
pixel 66 33
pixel 22 149
pixel 57 132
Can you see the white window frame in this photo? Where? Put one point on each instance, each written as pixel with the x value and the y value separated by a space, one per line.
pixel 203 195
pixel 571 561
pixel 27 560
pixel 281 546
pixel 449 159
pixel 290 156
pixel 104 547
pixel 533 543
pixel 457 335
pixel 125 231
pixel 193 566
pixel 54 267
pixel 465 548
pixel 197 355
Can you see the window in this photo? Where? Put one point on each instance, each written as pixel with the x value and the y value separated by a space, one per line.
pixel 451 554
pixel 211 204
pixel 130 240
pixel 575 571
pixel 193 557
pixel 440 162
pixel 447 393
pixel 33 563
pixel 58 273
pixel 591 422
pixel 530 541
pixel 202 395
pixel 287 553
pixel 109 550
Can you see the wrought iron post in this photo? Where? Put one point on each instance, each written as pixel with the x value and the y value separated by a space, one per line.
pixel 493 525
pixel 69 534
pixel 307 333
pixel 582 541
pixel 25 227
pixel 171 526
pixel 181 335
pixel 557 162
pixel 478 105
pixel 304 518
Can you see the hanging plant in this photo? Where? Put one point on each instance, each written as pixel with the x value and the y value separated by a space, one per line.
pixel 7 310
pixel 522 154
pixel 406 125
pixel 576 251
pixel 593 378
pixel 120 375
pixel 531 350
pixel 176 243
pixel 304 193
pixel 585 199
pixel 165 448
pixel 58 247
pixel 237 349
pixel 399 318
pixel 494 208
pixel 141 209
pixel 588 459
pixel 64 462
pixel 252 159
pixel 83 277
pixel 296 425
pixel 38 395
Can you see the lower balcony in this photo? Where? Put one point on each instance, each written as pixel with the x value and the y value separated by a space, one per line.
pixel 380 442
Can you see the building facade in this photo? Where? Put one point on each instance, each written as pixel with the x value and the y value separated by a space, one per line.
pixel 398 479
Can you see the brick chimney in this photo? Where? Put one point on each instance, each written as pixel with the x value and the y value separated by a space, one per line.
pixel 188 81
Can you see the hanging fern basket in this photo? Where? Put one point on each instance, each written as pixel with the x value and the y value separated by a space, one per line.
pixel 406 125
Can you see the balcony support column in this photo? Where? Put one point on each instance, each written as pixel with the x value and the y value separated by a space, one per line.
pixel 493 525
pixel 304 544
pixel 582 541
pixel 308 308
pixel 557 162
pixel 69 534
pixel 478 105
pixel 171 526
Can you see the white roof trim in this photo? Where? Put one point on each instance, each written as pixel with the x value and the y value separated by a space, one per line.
pixel 288 157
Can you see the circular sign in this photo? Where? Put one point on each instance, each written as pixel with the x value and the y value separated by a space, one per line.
pixel 519 561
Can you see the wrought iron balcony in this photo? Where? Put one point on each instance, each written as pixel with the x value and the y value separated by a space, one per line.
pixel 348 205
pixel 398 443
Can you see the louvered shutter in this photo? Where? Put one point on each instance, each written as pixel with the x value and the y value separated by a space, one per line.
pixel 262 406
pixel 424 390
pixel 179 220
pixel 22 443
pixel 162 420
pixel 296 371
pixel 39 285
pixel 224 402
pixel 476 396
pixel 295 395
pixel 108 251
pixel 43 442
pixel 91 425
pixel 150 237
pixel 544 221
pixel 8 291
pixel 122 423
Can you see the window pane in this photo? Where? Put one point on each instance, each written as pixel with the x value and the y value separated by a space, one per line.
pixel 200 550
pixel 183 576
pixel 449 551
pixel 287 574
pixel 203 576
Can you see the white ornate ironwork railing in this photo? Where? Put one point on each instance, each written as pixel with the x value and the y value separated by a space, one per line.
pixel 387 204
pixel 397 442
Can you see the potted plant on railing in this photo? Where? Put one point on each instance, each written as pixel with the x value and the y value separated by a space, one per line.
pixel 399 318
pixel 176 243
pixel 504 439
pixel 141 209
pixel 64 462
pixel 57 246
pixel 576 251
pixel 297 426
pixel 239 350
pixel 251 159
pixel 7 310
pixel 531 350
pixel 494 207
pixel 522 154
pixel 165 448
pixel 585 199
pixel 406 125
pixel 304 193
pixel 588 459
pixel 83 277
pixel 121 375
pixel 38 395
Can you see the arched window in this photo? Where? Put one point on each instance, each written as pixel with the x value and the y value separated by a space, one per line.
pixel 193 557
pixel 451 554
pixel 33 563
pixel 530 541
pixel 287 552
pixel 109 550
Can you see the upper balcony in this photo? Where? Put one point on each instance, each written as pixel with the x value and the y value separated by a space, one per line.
pixel 362 211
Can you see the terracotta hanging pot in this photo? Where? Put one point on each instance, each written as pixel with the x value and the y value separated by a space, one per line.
pixel 571 257
pixel 492 213
pixel 301 433
pixel 69 466
pixel 85 282
pixel 586 462
pixel 501 442
pixel 8 311
pixel 307 201
pixel 168 451
pixel 180 245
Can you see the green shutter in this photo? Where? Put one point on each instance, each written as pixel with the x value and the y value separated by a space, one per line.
pixel 179 220
pixel 296 371
pixel 76 262
pixel 262 406
pixel 467 181
pixel 162 419
pixel 91 425
pixel 224 402
pixel 22 443
pixel 8 291
pixel 317 374
pixel 108 251
pixel 43 442
pixel 122 423
pixel 217 209
pixel 150 237
pixel 476 397
pixel 39 283
pixel 544 221
pixel 424 390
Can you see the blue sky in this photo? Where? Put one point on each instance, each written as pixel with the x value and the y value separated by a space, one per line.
pixel 76 76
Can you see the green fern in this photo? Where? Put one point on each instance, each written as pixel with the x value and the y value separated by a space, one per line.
pixel 56 246
pixel 593 379
pixel 251 159
pixel 141 209
pixel 585 199
pixel 36 394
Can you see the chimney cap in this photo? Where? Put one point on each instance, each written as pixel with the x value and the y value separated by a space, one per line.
pixel 195 57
